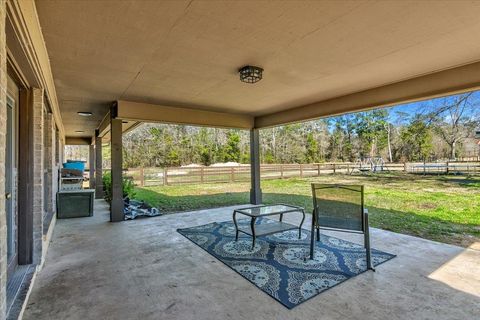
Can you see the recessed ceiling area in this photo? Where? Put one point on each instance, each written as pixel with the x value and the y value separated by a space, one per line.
pixel 187 53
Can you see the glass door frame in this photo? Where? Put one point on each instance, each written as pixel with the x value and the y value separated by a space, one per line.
pixel 11 167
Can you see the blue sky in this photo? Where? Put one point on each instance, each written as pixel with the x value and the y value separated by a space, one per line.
pixel 417 107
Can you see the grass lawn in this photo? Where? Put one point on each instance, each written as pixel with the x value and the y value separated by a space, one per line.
pixel 441 208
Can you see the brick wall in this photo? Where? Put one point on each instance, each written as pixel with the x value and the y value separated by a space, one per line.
pixel 3 125
pixel 38 196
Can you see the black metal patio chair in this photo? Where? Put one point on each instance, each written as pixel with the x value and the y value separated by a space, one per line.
pixel 340 208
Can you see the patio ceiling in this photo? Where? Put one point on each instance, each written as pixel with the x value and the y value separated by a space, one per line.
pixel 186 54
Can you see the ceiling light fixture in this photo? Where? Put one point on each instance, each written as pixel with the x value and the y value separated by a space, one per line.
pixel 79 131
pixel 84 113
pixel 250 74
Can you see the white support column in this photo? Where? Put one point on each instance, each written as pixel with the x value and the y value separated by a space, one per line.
pixel 255 191
pixel 116 213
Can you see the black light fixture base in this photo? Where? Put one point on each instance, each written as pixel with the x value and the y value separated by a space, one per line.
pixel 250 74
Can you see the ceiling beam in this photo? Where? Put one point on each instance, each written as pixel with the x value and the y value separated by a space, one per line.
pixel 451 81
pixel 144 112
pixel 104 126
pixel 78 141
pixel 126 128
pixel 129 126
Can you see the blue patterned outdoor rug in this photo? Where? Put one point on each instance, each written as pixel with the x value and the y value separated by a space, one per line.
pixel 276 265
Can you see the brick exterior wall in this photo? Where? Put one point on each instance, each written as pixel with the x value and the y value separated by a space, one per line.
pixel 38 183
pixel 45 148
pixel 3 126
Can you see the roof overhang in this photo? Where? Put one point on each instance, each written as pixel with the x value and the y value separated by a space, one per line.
pixel 448 82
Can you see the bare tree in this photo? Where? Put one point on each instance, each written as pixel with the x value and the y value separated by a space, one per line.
pixel 455 120
pixel 388 128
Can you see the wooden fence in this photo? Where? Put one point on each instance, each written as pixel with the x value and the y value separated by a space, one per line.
pixel 199 175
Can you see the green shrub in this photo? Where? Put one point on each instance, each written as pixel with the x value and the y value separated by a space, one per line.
pixel 127 186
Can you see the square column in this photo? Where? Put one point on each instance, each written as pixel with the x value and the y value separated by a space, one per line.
pixel 30 176
pixel 48 164
pixel 91 165
pixel 255 191
pixel 38 180
pixel 98 167
pixel 116 212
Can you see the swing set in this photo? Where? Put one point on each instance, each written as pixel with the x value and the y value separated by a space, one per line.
pixel 369 164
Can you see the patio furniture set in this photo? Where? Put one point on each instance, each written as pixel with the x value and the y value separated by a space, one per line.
pixel 286 263
pixel 336 207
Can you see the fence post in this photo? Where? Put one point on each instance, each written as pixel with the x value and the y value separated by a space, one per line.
pixel 318 169
pixel 201 175
pixel 301 171
pixel 405 167
pixel 165 177
pixel 447 169
pixel 142 177
pixel 232 174
pixel 334 168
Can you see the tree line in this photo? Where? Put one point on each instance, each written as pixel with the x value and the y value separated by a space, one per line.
pixel 437 129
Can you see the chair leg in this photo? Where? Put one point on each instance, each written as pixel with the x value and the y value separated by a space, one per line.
pixel 312 237
pixel 367 245
pixel 318 233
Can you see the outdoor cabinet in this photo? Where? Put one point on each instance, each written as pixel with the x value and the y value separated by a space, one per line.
pixel 75 204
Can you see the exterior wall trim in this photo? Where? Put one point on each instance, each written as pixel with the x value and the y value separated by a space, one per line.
pixel 23 17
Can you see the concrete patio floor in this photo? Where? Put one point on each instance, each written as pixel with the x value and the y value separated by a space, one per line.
pixel 144 269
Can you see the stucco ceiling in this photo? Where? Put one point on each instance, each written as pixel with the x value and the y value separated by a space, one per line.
pixel 187 53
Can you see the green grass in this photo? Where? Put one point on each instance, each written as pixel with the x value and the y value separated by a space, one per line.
pixel 441 208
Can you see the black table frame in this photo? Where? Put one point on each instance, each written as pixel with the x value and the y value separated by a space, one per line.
pixel 271 228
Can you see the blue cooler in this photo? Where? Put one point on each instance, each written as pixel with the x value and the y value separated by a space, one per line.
pixel 76 165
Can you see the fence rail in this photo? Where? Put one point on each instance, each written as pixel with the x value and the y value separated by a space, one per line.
pixel 198 175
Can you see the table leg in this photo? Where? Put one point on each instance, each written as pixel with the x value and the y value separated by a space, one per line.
pixel 236 226
pixel 252 226
pixel 301 224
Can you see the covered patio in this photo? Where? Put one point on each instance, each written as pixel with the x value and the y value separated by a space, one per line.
pixel 144 269
pixel 86 72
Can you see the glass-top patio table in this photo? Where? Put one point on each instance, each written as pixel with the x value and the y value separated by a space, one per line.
pixel 267 228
